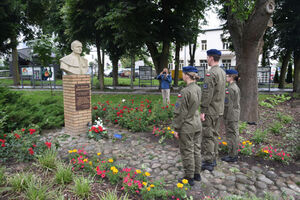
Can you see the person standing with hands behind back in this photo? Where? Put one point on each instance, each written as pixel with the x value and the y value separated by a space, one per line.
pixel 166 80
pixel 188 127
pixel 212 108
pixel 232 115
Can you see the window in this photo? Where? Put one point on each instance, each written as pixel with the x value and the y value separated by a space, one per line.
pixel 203 63
pixel 92 56
pixel 170 66
pixel 189 61
pixel 226 63
pixel 181 63
pixel 225 45
pixel 204 45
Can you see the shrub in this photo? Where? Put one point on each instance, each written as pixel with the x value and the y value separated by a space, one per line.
pixel 163 133
pixel 21 181
pixel 36 190
pixel 63 174
pixel 276 127
pixel 246 148
pixel 112 195
pixel 97 131
pixel 286 119
pixel 242 127
pixel 82 187
pixel 259 136
pixel 2 176
pixel 48 159
pixel 272 153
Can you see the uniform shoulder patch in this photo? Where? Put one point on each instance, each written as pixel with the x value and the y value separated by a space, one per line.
pixel 205 86
pixel 179 95
pixel 208 74
pixel 177 105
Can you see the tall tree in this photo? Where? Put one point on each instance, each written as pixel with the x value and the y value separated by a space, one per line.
pixel 247 21
pixel 81 19
pixel 287 30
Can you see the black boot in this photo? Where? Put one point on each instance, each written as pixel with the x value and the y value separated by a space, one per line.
pixel 230 159
pixel 197 177
pixel 207 166
pixel 190 180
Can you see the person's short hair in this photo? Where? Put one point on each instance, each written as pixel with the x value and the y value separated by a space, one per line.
pixel 192 75
pixel 74 43
pixel 216 57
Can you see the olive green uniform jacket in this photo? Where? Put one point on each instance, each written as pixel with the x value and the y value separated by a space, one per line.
pixel 231 117
pixel 188 125
pixel 212 106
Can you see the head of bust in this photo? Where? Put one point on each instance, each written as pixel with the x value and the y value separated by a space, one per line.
pixel 76 47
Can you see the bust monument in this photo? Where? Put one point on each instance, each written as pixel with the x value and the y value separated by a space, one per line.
pixel 74 63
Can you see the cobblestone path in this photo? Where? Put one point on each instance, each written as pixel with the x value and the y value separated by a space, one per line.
pixel 164 161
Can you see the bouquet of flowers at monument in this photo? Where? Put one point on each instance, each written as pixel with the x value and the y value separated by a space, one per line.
pixel 97 131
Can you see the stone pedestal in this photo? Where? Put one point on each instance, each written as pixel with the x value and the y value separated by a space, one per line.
pixel 77 103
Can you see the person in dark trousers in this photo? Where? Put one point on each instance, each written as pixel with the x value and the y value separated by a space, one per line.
pixel 212 108
pixel 232 115
pixel 188 127
pixel 166 81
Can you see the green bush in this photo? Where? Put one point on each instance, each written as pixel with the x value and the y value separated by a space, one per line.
pixel 21 181
pixel 242 127
pixel 286 119
pixel 48 159
pixel 259 136
pixel 2 176
pixel 82 187
pixel 276 127
pixel 63 174
pixel 17 111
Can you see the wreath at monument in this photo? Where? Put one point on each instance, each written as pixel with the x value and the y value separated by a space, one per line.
pixel 97 131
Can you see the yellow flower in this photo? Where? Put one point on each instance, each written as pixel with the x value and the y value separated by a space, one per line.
pixel 115 171
pixel 145 184
pixel 152 185
pixel 185 181
pixel 148 188
pixel 244 143
pixel 110 160
pixel 247 141
pixel 91 163
pixel 224 143
pixel 138 171
pixel 112 168
pixel 179 185
pixel 219 138
pixel 250 143
pixel 98 154
pixel 172 132
pixel 70 151
pixel 147 174
pixel 266 151
pixel 169 128
pixel 85 160
pixel 185 188
pixel 74 150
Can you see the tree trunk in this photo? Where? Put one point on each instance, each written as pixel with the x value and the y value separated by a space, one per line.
pixel 15 64
pixel 177 54
pixel 192 52
pixel 132 70
pixel 285 62
pixel 296 84
pixel 100 67
pixel 247 38
pixel 160 59
pixel 115 71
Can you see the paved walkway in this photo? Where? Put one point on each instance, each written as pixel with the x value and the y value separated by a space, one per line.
pixel 164 161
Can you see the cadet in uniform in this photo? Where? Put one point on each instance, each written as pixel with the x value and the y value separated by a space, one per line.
pixel 187 124
pixel 212 108
pixel 232 115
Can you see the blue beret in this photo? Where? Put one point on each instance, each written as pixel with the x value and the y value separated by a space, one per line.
pixel 213 52
pixel 231 71
pixel 190 69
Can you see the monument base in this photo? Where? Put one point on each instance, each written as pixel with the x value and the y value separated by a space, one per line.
pixel 77 103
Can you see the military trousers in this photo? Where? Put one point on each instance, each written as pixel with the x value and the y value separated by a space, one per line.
pixel 210 145
pixel 190 150
pixel 232 136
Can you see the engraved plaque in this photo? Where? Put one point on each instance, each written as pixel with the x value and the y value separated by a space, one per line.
pixel 82 96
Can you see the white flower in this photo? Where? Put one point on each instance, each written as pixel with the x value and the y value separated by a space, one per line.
pixel 123 100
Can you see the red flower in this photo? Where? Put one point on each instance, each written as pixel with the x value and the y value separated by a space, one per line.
pixel 23 129
pixel 95 107
pixel 116 121
pixel 149 110
pixel 33 145
pixel 17 136
pixel 31 131
pixel 100 128
pixel 48 144
pixel 104 109
pixel 4 135
pixel 121 115
pixel 31 152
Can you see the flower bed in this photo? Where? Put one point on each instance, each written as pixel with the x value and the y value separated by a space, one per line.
pixel 130 180
pixel 136 116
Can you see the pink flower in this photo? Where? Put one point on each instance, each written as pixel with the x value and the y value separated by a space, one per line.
pixel 103 175
pixel 122 188
pixel 129 184
pixel 137 191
